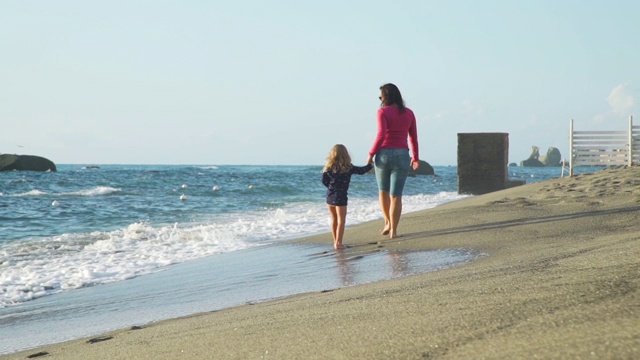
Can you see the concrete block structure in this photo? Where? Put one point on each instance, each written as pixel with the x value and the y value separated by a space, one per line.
pixel 483 163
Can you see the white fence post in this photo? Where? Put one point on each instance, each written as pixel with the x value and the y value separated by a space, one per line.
pixel 571 148
pixel 631 142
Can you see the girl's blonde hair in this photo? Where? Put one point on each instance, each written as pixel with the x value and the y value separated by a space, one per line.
pixel 338 160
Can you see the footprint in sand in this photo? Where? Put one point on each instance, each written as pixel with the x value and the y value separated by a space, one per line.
pixel 99 339
pixel 38 354
pixel 523 202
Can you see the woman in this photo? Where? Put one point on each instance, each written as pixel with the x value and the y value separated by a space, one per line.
pixel 396 122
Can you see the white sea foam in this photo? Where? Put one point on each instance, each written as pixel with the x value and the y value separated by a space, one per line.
pixel 96 191
pixel 31 193
pixel 33 269
pixel 36 268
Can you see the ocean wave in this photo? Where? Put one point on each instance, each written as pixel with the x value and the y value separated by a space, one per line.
pixel 36 268
pixel 426 201
pixel 33 269
pixel 31 193
pixel 97 191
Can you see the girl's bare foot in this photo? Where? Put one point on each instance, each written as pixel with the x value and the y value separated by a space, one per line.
pixel 393 234
pixel 339 246
pixel 386 229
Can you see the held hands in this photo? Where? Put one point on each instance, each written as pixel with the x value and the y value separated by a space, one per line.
pixel 370 160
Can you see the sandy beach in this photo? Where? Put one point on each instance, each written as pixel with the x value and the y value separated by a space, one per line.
pixel 560 280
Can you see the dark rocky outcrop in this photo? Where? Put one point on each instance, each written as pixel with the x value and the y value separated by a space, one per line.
pixel 534 158
pixel 553 158
pixel 531 163
pixel 423 169
pixel 25 162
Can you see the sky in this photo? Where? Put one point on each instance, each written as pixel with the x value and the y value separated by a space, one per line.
pixel 280 82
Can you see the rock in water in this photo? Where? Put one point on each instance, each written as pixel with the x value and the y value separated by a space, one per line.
pixel 25 162
pixel 553 157
pixel 424 169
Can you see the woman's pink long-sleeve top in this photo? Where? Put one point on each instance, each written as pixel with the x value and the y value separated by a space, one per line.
pixel 393 129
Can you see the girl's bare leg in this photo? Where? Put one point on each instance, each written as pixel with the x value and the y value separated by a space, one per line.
pixel 334 221
pixel 342 217
pixel 384 206
pixel 395 210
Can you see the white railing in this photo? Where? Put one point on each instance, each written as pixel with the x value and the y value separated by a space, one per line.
pixel 604 148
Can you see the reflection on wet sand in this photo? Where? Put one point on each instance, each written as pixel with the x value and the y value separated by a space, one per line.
pixel 348 270
pixel 345 269
pixel 399 264
pixel 231 279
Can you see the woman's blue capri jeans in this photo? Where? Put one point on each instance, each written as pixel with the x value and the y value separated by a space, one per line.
pixel 392 168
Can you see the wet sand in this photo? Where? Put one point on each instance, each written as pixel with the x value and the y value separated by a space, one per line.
pixel 560 281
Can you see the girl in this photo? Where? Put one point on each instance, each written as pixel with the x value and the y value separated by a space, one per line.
pixel 336 176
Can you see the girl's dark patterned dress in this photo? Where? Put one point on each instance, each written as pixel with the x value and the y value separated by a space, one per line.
pixel 338 184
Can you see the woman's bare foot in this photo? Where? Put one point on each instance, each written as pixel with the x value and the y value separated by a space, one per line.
pixel 339 246
pixel 393 235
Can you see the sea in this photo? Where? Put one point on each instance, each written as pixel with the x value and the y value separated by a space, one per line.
pixel 94 248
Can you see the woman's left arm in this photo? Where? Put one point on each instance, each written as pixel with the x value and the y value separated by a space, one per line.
pixel 413 138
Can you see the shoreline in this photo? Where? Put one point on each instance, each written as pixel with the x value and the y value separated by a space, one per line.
pixel 560 281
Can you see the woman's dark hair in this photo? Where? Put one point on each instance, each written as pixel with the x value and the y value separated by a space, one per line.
pixel 392 96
